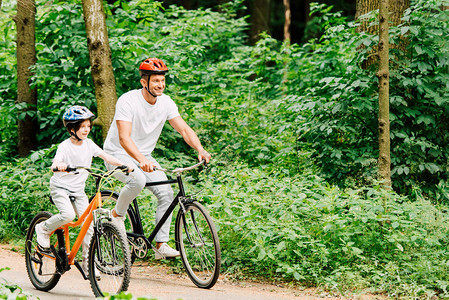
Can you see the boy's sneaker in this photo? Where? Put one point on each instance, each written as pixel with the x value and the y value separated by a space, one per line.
pixel 85 267
pixel 42 236
pixel 165 251
pixel 120 222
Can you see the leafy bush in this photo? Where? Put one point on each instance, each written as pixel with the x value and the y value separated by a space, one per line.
pixel 303 229
pixel 335 100
pixel 268 114
pixel 12 291
pixel 24 192
pixel 288 228
pixel 8 83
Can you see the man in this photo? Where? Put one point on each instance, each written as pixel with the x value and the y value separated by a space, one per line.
pixel 139 118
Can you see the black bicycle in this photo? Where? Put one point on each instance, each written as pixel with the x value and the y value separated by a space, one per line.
pixel 195 234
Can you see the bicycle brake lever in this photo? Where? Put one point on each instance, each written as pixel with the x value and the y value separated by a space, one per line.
pixel 204 164
pixel 124 168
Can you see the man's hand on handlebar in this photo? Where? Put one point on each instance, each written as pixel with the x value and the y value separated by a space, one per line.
pixel 147 166
pixel 204 155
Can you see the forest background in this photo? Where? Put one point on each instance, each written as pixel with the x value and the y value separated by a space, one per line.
pixel 292 127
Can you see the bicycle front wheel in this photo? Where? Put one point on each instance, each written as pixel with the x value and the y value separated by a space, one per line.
pixel 41 266
pixel 109 199
pixel 109 261
pixel 198 245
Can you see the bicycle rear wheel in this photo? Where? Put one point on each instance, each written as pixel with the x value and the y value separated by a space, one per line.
pixel 198 244
pixel 109 261
pixel 41 266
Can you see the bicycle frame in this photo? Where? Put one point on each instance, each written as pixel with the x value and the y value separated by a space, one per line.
pixel 135 211
pixel 87 218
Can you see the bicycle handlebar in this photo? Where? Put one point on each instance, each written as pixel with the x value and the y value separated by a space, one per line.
pixel 180 170
pixel 107 174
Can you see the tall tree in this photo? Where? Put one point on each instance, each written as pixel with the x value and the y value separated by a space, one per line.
pixel 396 9
pixel 26 57
pixel 384 161
pixel 100 62
pixel 260 19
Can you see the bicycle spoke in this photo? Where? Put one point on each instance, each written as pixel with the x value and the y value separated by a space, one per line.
pixel 199 245
pixel 111 269
pixel 41 267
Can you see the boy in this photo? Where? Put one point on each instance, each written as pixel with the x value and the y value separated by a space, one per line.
pixel 77 150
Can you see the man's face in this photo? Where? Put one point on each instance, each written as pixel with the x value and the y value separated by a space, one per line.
pixel 156 84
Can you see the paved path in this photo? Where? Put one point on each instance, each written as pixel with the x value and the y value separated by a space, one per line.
pixel 146 281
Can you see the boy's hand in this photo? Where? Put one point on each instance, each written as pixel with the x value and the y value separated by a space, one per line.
pixel 60 166
pixel 130 168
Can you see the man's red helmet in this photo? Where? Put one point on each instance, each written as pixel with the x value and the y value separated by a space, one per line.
pixel 153 66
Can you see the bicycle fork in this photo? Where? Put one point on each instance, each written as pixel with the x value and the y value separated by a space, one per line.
pixel 99 215
pixel 188 232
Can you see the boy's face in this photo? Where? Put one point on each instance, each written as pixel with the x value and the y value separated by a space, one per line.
pixel 84 130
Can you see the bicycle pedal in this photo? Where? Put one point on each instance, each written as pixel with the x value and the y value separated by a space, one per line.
pixel 44 250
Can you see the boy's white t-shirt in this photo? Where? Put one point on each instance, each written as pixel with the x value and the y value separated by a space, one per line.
pixel 147 121
pixel 76 156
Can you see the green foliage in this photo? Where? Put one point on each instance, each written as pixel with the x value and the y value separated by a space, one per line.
pixel 12 291
pixel 273 116
pixel 419 101
pixel 288 228
pixel 8 82
pixel 335 100
pixel 24 192
pixel 126 296
pixel 301 228
pixel 62 72
pixel 335 104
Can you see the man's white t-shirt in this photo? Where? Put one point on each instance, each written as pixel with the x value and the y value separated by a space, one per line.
pixel 147 121
pixel 76 156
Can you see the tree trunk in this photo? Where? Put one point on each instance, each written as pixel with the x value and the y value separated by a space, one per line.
pixel 26 57
pixel 260 17
pixel 307 11
pixel 397 8
pixel 288 20
pixel 187 4
pixel 384 162
pixel 100 62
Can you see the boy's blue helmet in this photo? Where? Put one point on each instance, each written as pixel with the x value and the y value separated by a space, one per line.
pixel 76 114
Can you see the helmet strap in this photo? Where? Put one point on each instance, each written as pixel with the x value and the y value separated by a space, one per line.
pixel 75 136
pixel 148 87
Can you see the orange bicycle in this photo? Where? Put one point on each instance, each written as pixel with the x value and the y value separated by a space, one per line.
pixel 109 254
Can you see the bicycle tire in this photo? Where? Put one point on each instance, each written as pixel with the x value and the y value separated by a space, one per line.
pixel 38 261
pixel 198 244
pixel 112 263
pixel 109 199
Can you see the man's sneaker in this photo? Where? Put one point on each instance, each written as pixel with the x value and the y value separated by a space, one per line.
pixel 165 251
pixel 42 236
pixel 120 222
pixel 85 267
